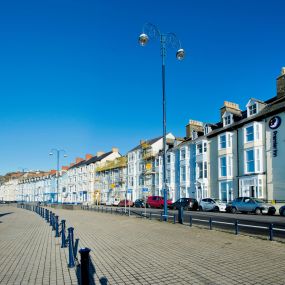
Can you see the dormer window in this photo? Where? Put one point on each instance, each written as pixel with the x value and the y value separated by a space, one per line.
pixel 254 106
pixel 207 129
pixel 252 110
pixel 227 119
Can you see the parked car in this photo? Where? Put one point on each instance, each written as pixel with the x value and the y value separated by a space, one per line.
pixel 139 203
pixel 116 202
pixel 250 205
pixel 156 202
pixel 282 211
pixel 108 203
pixel 128 203
pixel 186 203
pixel 215 205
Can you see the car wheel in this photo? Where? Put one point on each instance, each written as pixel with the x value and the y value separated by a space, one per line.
pixel 216 209
pixel 200 208
pixel 234 210
pixel 258 211
pixel 147 205
pixel 282 213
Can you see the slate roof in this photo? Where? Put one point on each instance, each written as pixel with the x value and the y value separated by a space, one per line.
pixel 97 158
pixel 151 141
pixel 91 160
pixel 273 106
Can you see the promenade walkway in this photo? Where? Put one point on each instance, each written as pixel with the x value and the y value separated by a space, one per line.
pixel 137 251
pixel 29 252
pixel 133 251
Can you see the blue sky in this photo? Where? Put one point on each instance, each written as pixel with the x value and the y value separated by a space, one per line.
pixel 73 76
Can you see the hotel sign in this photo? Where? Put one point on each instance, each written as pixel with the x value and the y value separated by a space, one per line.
pixel 274 124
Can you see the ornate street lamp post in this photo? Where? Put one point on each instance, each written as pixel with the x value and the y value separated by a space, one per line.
pixel 150 31
pixel 58 152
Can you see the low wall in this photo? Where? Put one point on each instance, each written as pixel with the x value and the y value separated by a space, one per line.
pixel 66 206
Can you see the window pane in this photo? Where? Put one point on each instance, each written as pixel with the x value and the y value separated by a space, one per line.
pixel 250 160
pixel 249 134
pixel 205 170
pixel 223 143
pixel 223 166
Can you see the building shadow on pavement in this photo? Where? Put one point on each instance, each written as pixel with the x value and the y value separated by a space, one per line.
pixel 4 214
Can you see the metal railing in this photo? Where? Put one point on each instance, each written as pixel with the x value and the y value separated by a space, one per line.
pixel 272 231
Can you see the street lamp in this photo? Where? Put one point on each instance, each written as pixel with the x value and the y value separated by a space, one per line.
pixel 23 171
pixel 58 152
pixel 150 31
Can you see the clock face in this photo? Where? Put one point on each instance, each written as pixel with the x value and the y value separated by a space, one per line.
pixel 274 122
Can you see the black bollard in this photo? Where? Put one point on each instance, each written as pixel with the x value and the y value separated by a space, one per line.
pixel 190 221
pixel 50 218
pixel 56 227
pixel 180 215
pixel 236 227
pixel 271 232
pixel 210 223
pixel 63 238
pixel 84 265
pixel 70 247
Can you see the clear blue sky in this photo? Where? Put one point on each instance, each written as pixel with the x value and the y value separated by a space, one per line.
pixel 73 76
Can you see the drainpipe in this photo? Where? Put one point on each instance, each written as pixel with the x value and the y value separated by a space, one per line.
pixel 238 161
pixel 266 170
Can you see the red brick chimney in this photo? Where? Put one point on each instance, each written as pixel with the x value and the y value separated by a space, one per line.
pixel 53 171
pixel 64 168
pixel 78 159
pixel 88 156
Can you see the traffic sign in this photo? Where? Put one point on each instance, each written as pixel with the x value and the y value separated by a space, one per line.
pixel 130 191
pixel 145 189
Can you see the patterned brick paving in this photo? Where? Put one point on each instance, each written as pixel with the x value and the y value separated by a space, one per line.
pixel 137 251
pixel 134 251
pixel 29 252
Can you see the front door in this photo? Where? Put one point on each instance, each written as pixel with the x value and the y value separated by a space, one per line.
pixel 252 191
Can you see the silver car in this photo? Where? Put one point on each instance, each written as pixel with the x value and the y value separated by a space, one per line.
pixel 209 204
pixel 249 204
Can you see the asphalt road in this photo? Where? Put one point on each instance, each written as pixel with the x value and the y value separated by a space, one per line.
pixel 249 224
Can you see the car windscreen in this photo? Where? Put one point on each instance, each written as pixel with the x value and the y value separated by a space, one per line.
pixel 258 201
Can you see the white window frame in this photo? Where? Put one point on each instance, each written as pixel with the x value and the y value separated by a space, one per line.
pixel 220 165
pixel 249 110
pixel 257 132
pixel 227 119
pixel 246 133
pixel 229 166
pixel 185 153
pixel 228 136
pixel 181 173
pixel 257 159
pixel 197 148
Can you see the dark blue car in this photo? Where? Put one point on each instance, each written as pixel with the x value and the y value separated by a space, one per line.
pixel 139 203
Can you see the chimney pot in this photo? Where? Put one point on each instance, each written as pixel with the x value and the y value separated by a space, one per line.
pixel 99 153
pixel 88 156
pixel 281 84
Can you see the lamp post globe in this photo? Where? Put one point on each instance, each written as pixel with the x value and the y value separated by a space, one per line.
pixel 180 54
pixel 143 39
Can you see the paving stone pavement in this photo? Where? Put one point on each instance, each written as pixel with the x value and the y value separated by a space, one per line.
pixel 138 251
pixel 29 252
pixel 133 251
